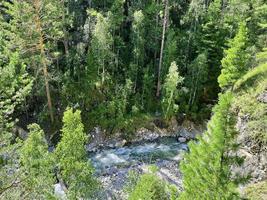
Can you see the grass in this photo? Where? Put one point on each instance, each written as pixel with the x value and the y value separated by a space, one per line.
pixel 256 191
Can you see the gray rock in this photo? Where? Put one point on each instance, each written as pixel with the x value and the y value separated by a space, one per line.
pixel 120 143
pixel 255 155
pixel 263 97
pixel 59 192
pixel 182 139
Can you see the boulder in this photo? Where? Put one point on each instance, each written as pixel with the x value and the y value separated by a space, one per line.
pixel 262 97
pixel 59 192
pixel 182 139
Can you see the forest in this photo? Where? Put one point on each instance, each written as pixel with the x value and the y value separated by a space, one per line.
pixel 133 99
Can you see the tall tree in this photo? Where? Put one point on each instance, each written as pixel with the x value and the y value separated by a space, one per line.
pixel 102 47
pixel 75 169
pixel 164 28
pixel 211 38
pixel 34 40
pixel 234 62
pixel 37 177
pixel 138 46
pixel 206 168
pixel 15 87
pixel 170 91
pixel 196 79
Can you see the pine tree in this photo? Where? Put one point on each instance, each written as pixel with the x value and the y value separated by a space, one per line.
pixel 206 168
pixel 37 166
pixel 15 86
pixel 75 169
pixel 234 62
pixel 170 91
pixel 34 40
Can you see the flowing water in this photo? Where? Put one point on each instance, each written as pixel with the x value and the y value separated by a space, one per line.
pixel 143 152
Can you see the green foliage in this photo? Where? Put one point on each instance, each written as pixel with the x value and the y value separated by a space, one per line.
pixel 248 103
pixel 206 169
pixel 112 113
pixel 170 91
pixel 138 37
pixel 150 187
pixel 74 167
pixel 261 70
pixel 102 56
pixel 37 163
pixel 234 62
pixel 101 47
pixel 138 41
pixel 196 79
pixel 15 87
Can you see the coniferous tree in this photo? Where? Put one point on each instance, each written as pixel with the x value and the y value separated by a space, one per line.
pixel 15 87
pixel 164 29
pixel 37 166
pixel 211 40
pixel 170 52
pixel 234 62
pixel 206 168
pixel 34 40
pixel 196 79
pixel 75 169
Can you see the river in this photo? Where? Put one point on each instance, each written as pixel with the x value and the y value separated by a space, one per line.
pixel 113 164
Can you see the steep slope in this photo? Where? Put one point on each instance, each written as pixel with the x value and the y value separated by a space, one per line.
pixel 232 153
pixel 250 106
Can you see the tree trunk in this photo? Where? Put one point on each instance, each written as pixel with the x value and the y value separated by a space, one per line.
pixel 165 22
pixel 37 7
pixel 156 39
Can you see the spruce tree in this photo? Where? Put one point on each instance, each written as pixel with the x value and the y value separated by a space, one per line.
pixel 37 177
pixel 74 167
pixel 206 168
pixel 234 62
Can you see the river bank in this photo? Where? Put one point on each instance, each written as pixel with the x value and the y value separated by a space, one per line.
pixel 113 165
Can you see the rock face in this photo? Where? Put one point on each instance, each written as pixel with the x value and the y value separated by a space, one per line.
pixel 253 150
pixel 20 132
pixel 115 180
pixel 254 154
pixel 263 97
pixel 184 132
